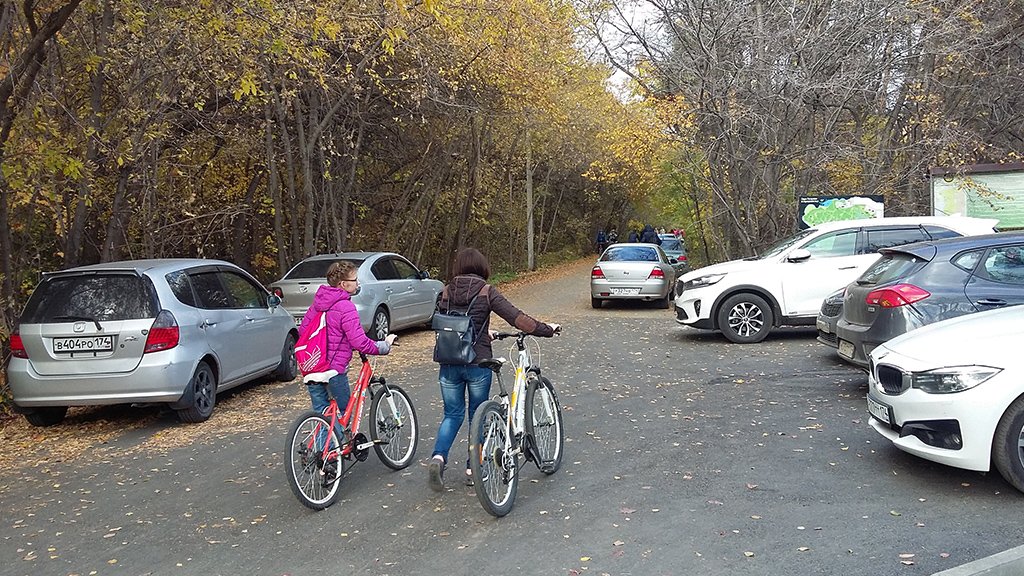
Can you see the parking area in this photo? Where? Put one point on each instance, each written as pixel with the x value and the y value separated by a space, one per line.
pixel 685 454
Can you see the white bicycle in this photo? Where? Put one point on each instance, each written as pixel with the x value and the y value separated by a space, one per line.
pixel 524 424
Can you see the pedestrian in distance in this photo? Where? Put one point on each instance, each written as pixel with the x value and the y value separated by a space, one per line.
pixel 602 241
pixel 344 335
pixel 634 236
pixel 613 236
pixel 469 277
pixel 649 235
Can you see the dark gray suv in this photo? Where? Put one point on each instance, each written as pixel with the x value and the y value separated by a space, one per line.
pixel 922 283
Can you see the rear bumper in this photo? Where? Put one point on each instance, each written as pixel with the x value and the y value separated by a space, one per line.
pixel 156 379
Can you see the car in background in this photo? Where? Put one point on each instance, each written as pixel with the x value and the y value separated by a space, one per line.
pixel 953 392
pixel 785 285
pixel 632 271
pixel 918 284
pixel 393 293
pixel 832 308
pixel 173 331
pixel 828 316
pixel 675 248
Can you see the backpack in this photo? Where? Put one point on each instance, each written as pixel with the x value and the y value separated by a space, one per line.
pixel 311 349
pixel 456 334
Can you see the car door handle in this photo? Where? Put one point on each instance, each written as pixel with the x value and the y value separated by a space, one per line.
pixel 992 302
pixel 847 267
pixel 206 323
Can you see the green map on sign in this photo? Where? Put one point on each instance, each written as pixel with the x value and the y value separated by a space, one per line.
pixel 837 210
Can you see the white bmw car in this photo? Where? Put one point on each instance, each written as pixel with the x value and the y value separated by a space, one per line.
pixel 953 392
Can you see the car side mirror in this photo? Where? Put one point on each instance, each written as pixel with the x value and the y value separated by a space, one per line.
pixel 423 275
pixel 274 301
pixel 673 261
pixel 798 255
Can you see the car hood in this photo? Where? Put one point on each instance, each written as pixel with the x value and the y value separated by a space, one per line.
pixel 980 338
pixel 730 266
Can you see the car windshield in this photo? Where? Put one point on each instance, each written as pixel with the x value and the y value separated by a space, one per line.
pixel 784 244
pixel 629 253
pixel 99 297
pixel 315 268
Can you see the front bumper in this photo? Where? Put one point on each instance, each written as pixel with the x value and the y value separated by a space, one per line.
pixel 952 429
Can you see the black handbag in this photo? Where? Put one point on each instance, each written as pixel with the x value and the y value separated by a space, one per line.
pixel 455 333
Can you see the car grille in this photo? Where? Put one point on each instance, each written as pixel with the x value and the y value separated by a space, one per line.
pixel 831 309
pixel 830 338
pixel 890 379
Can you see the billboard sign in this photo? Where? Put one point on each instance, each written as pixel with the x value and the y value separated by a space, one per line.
pixel 814 210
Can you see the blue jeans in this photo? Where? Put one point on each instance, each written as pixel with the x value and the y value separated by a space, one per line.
pixel 455 382
pixel 338 389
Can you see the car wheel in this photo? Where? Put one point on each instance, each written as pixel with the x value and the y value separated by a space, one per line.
pixel 381 325
pixel 1008 445
pixel 46 416
pixel 289 366
pixel 745 318
pixel 665 302
pixel 595 303
pixel 203 387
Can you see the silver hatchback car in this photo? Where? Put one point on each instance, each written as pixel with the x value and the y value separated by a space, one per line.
pixel 172 331
pixel 393 293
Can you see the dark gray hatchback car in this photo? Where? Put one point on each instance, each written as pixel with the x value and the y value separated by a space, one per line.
pixel 922 283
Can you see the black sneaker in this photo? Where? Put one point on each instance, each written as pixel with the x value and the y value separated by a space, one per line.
pixel 469 477
pixel 435 475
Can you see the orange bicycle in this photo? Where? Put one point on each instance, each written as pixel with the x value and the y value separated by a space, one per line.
pixel 322 448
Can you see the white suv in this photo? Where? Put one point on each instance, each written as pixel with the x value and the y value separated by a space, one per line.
pixel 785 285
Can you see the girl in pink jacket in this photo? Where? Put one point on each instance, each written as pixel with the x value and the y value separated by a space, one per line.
pixel 344 335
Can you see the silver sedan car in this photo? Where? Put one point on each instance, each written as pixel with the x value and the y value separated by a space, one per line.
pixel 173 331
pixel 393 293
pixel 633 271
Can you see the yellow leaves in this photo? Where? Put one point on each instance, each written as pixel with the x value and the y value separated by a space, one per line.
pixel 246 86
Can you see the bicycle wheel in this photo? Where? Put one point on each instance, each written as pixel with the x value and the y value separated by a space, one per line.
pixel 393 427
pixel 313 481
pixel 495 467
pixel 544 424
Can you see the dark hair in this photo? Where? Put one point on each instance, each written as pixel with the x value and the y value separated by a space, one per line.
pixel 471 261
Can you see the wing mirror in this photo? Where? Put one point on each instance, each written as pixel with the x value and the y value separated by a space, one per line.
pixel 798 255
pixel 274 301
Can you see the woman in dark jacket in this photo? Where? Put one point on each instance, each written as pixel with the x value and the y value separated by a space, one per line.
pixel 470 275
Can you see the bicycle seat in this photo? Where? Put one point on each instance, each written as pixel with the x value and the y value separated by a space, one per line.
pixel 493 364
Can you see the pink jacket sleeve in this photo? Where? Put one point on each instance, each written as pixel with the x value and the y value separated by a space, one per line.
pixel 354 331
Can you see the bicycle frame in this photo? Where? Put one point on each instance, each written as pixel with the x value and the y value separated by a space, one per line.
pixel 349 421
pixel 516 401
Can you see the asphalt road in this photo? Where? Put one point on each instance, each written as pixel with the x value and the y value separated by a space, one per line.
pixel 685 455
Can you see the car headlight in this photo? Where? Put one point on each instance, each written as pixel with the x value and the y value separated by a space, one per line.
pixel 952 379
pixel 702 281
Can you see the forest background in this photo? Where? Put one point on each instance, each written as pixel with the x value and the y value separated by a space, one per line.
pixel 263 131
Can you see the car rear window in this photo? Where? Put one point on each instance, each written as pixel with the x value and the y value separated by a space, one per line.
pixel 630 254
pixel 891 267
pixel 673 245
pixel 315 268
pixel 101 297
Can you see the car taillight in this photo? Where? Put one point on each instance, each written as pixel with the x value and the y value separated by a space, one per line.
pixel 17 346
pixel 163 335
pixel 896 296
pixel 656 273
pixel 682 258
pixel 596 273
pixel 278 292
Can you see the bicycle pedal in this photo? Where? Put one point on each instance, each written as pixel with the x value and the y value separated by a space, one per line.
pixel 367 445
